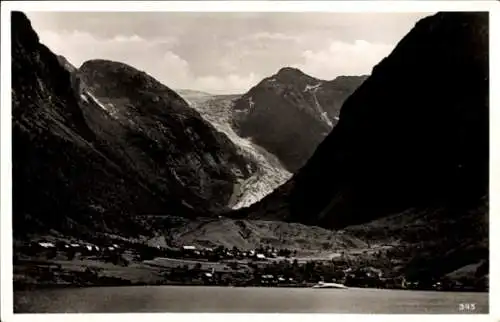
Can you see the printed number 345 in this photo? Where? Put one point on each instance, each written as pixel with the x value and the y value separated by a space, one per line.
pixel 467 307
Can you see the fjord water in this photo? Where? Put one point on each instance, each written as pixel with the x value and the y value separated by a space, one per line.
pixel 193 299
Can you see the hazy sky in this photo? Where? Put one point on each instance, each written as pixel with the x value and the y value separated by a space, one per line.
pixel 226 52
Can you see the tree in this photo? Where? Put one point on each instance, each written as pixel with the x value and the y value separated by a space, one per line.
pixel 51 253
pixel 70 254
pixel 219 250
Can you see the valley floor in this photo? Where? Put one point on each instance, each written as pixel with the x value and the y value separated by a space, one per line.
pixel 222 251
pixel 44 270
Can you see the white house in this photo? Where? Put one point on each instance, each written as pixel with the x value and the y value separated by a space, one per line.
pixel 46 245
pixel 260 256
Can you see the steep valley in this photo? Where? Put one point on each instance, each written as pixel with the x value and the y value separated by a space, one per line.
pixel 270 173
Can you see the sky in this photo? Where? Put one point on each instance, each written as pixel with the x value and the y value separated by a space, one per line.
pixel 226 52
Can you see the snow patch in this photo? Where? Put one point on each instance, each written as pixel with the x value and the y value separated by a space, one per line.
pixel 109 108
pixel 312 87
pixel 324 116
pixel 251 103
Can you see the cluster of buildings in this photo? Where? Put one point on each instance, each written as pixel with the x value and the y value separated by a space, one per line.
pixel 271 280
pixel 148 252
pixel 37 247
pixel 190 251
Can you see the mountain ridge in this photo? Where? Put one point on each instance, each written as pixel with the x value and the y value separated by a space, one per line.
pixel 89 157
pixel 291 108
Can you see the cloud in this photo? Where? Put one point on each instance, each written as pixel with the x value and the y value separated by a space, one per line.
pixel 232 83
pixel 270 36
pixel 133 38
pixel 79 47
pixel 225 52
pixel 233 72
pixel 151 56
pixel 175 72
pixel 344 58
pixel 170 70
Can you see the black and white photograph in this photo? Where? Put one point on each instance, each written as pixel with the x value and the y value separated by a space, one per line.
pixel 184 158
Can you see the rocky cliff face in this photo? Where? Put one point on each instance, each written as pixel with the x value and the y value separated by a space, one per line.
pixel 414 135
pixel 290 113
pixel 185 155
pixel 114 144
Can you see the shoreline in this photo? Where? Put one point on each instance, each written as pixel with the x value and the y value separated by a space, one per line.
pixel 37 287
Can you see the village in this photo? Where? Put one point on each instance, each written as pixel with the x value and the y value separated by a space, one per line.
pixel 61 263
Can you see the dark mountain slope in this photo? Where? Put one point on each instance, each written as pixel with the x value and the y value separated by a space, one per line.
pixel 72 168
pixel 66 64
pixel 414 135
pixel 290 113
pixel 58 174
pixel 332 94
pixel 185 155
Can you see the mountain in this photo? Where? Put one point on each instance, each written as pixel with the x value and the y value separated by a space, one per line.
pixel 415 133
pixel 94 147
pixel 183 149
pixel 412 143
pixel 250 234
pixel 290 113
pixel 269 172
